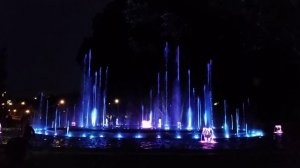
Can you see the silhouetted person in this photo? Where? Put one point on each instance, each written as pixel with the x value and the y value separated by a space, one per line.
pixel 28 132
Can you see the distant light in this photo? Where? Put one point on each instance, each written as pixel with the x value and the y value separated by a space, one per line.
pixel 23 103
pixel 15 110
pixel 3 104
pixel 278 129
pixel 196 136
pixel 83 135
pixel 92 136
pixel 138 136
pixel 146 124
pixel 117 101
pixel 35 98
pixel 101 136
pixel 62 102
pixel 119 135
pixel 216 103
pixel 27 111
pixel 158 136
pixel 9 102
pixel 178 136
pixel 73 124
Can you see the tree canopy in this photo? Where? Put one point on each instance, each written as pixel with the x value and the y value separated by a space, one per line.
pixel 253 45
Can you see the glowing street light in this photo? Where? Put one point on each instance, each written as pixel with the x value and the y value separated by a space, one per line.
pixel 62 102
pixel 9 102
pixel 117 101
pixel 27 111
pixel 23 103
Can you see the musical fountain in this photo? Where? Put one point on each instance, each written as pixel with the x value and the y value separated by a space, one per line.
pixel 173 112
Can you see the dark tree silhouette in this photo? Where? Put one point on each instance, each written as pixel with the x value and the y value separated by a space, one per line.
pixel 252 43
pixel 2 69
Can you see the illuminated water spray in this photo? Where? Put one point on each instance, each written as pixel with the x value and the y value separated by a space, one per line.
pixel 226 129
pixel 176 94
pixel 237 118
pixel 199 113
pixel 189 113
pixel 167 126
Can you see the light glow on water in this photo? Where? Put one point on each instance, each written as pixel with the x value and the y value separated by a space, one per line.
pixel 119 136
pixel 196 136
pixel 178 136
pixel 138 136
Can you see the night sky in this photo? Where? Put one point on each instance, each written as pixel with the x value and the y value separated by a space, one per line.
pixel 255 47
pixel 42 39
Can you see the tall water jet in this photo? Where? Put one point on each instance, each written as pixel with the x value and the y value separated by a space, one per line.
pixel 189 113
pixel 47 111
pixel 226 131
pixel 166 102
pixel 166 53
pixel 231 122
pixel 244 116
pixel 92 112
pixel 37 116
pixel 88 94
pixel 150 108
pixel 104 98
pixel 176 96
pixel 73 121
pixel 94 117
pixel 95 95
pixel 142 110
pixel 86 91
pixel 55 122
pixel 156 113
pixel 237 121
pixel 209 95
pixel 59 113
pixel 98 98
pixel 199 113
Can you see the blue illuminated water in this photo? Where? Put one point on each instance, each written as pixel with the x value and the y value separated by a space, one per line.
pixel 171 105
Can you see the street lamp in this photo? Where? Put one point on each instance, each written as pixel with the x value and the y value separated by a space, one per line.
pixel 27 111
